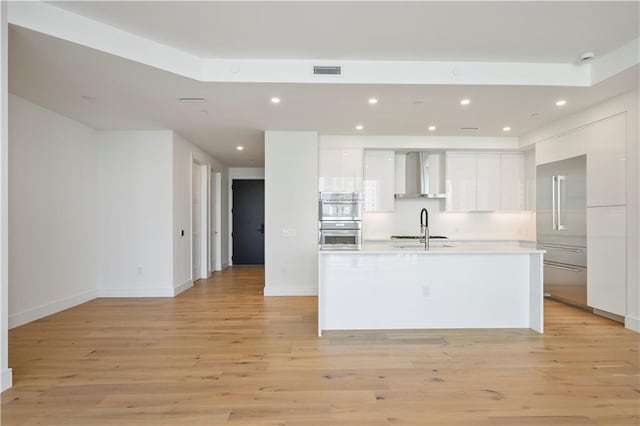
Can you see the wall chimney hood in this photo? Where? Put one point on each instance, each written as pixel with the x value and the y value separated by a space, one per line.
pixel 419 174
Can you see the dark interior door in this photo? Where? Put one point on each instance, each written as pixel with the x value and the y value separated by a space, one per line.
pixel 248 222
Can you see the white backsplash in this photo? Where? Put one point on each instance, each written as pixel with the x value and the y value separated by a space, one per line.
pixel 405 220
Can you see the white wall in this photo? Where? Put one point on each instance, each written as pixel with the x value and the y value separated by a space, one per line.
pixel 405 220
pixel 6 379
pixel 291 179
pixel 52 212
pixel 628 103
pixel 184 152
pixel 134 213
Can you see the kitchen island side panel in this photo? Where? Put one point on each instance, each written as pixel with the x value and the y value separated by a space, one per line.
pixel 416 291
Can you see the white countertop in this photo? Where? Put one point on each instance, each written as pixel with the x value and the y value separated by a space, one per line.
pixel 385 248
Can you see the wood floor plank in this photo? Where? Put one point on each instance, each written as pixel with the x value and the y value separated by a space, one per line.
pixel 222 354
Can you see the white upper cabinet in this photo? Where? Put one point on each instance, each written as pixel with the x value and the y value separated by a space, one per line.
pixel 379 181
pixel 340 170
pixel 606 162
pixel 488 182
pixel 513 195
pixel 461 181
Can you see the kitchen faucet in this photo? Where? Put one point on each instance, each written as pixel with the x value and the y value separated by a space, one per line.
pixel 424 228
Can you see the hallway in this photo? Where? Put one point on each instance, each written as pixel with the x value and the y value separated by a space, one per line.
pixel 221 353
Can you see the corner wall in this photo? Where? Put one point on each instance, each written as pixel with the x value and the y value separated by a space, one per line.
pixel 291 174
pixel 52 212
pixel 184 152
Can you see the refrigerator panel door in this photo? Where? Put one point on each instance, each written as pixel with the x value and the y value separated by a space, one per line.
pixel 566 283
pixel 561 201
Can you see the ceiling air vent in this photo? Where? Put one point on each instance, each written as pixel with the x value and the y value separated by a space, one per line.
pixel 469 128
pixel 324 70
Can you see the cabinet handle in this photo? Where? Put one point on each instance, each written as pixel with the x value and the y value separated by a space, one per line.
pixel 564 268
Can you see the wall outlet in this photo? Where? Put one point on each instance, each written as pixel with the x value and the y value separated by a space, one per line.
pixel 140 270
pixel 426 291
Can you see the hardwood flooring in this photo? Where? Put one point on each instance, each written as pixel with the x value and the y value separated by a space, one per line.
pixel 221 353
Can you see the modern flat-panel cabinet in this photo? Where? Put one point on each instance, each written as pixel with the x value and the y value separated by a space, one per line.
pixel 461 181
pixel 340 170
pixel 379 181
pixel 513 192
pixel 606 162
pixel 606 259
pixel 488 182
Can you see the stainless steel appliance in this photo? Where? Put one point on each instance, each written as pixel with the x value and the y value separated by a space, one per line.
pixel 340 221
pixel 340 235
pixel 340 206
pixel 419 174
pixel 562 228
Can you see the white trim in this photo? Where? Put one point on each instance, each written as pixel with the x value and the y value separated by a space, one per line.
pixel 50 308
pixel 182 287
pixel 136 292
pixel 310 290
pixel 632 323
pixel 6 379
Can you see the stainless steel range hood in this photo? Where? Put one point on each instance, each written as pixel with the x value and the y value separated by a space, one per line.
pixel 419 174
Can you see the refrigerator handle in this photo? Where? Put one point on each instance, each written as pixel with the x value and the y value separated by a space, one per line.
pixel 554 220
pixel 560 180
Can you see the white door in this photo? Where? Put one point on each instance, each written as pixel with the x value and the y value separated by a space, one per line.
pixel 196 221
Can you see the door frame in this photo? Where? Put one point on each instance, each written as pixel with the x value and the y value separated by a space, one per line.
pixel 215 257
pixel 240 173
pixel 205 219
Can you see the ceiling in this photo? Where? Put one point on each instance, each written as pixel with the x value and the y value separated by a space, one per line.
pixel 513 31
pixel 108 92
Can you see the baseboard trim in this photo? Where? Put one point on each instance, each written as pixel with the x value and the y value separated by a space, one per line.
pixel 136 292
pixel 182 287
pixel 6 379
pixel 632 323
pixel 290 291
pixel 50 308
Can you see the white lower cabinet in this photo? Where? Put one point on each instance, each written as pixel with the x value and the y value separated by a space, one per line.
pixel 607 259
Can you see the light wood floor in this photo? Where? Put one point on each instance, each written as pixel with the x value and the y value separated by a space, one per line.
pixel 220 353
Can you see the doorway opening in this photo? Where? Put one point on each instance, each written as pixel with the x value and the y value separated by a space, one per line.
pixel 199 220
pixel 248 221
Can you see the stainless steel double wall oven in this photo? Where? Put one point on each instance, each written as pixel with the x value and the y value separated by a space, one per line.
pixel 340 220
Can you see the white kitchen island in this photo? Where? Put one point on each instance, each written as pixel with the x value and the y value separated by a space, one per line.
pixel 473 286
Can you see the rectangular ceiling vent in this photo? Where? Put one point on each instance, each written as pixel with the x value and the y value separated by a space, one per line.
pixel 325 70
pixel 469 128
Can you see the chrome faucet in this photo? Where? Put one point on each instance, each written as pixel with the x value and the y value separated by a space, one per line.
pixel 424 228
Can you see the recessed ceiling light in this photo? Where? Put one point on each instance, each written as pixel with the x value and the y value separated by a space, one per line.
pixel 359 127
pixel 275 100
pixel 465 101
pixel 432 128
pixel 239 147
pixel 506 128
pixel 561 102
pixel 373 101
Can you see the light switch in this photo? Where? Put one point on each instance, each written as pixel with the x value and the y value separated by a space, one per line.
pixel 288 232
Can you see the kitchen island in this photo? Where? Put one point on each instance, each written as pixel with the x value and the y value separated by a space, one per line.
pixel 465 286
